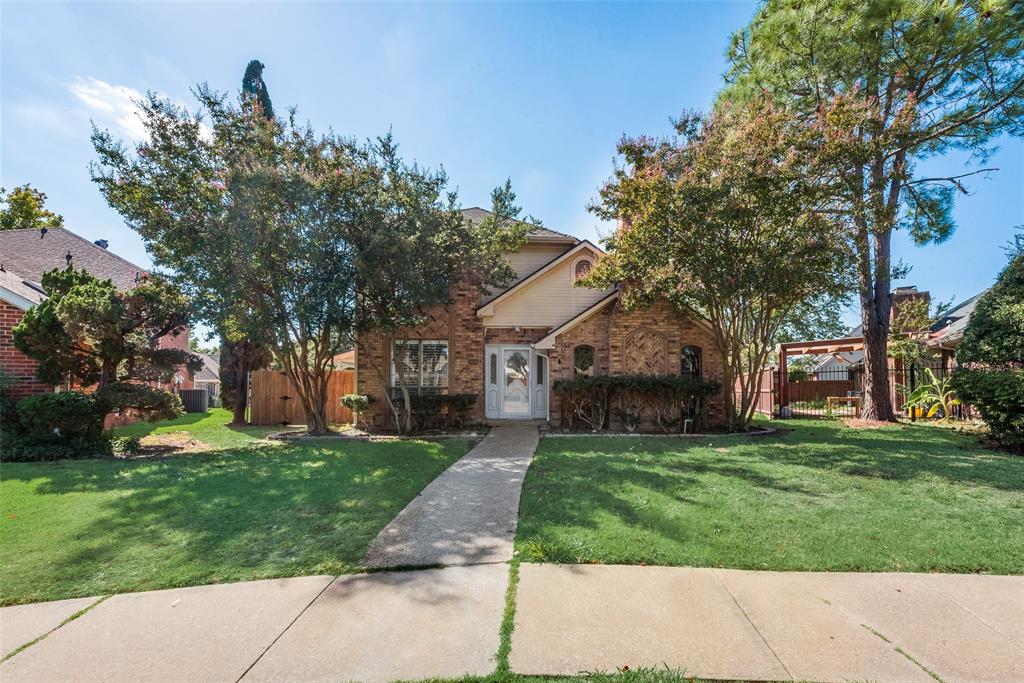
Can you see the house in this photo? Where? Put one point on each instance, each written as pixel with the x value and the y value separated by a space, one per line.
pixel 208 376
pixel 345 360
pixel 508 347
pixel 24 256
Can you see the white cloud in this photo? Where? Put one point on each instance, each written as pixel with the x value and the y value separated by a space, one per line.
pixel 110 106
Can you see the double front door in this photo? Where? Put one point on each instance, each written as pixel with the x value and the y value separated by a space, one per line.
pixel 516 381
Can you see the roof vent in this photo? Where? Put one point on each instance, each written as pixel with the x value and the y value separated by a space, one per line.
pixel 102 244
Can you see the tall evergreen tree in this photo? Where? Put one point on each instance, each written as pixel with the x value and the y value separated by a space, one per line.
pixel 889 84
pixel 254 90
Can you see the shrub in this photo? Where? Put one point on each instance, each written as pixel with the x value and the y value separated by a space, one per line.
pixel 990 375
pixel 125 445
pixel 447 410
pixel 357 403
pixel 20 447
pixel 664 401
pixel 155 404
pixel 68 415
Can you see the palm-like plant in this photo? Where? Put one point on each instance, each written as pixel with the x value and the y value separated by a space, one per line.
pixel 937 394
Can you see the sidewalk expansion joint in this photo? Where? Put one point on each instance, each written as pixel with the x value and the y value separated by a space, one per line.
pixel 753 625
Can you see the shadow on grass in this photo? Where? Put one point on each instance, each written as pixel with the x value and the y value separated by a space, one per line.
pixel 110 526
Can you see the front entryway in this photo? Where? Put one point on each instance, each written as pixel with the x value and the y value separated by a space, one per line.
pixel 516 379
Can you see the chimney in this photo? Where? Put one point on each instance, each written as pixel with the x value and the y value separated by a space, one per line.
pixel 102 244
pixel 901 296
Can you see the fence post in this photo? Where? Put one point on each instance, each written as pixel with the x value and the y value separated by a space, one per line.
pixel 913 383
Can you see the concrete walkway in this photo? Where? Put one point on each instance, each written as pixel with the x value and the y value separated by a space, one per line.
pixel 445 623
pixel 468 514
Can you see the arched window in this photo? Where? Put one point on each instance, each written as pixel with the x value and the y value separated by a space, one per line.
pixel 581 269
pixel 583 360
pixel 690 362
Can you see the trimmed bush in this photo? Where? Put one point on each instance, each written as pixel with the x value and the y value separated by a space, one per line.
pixel 998 394
pixel 662 401
pixel 20 447
pixel 68 415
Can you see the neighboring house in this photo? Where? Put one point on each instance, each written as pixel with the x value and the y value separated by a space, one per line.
pixel 835 365
pixel 24 256
pixel 508 347
pixel 208 376
pixel 945 334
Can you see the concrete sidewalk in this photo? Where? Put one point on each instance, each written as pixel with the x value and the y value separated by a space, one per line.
pixel 751 625
pixel 468 514
pixel 445 623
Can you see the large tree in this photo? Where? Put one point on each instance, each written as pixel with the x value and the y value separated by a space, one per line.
pixel 729 218
pixel 302 238
pixel 88 333
pixel 24 208
pixel 889 84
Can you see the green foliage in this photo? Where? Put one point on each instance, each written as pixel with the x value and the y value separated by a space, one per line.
pixel 20 447
pixel 273 229
pixel 357 403
pixel 444 411
pixel 664 401
pixel 126 397
pixel 125 445
pixel 887 85
pixel 798 375
pixel 706 219
pixel 66 415
pixel 990 374
pixel 89 333
pixel 936 395
pixel 23 208
pixel 254 90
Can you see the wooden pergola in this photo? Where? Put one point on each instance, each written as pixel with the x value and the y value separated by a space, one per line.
pixel 810 348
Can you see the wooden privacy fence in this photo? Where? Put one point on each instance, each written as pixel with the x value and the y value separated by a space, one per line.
pixel 764 403
pixel 273 399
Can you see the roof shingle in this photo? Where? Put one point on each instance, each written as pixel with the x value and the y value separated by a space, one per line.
pixel 29 254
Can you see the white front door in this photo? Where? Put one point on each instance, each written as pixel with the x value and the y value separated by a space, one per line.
pixel 514 377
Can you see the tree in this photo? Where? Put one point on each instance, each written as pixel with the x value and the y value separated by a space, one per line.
pixel 24 208
pixel 990 357
pixel 295 239
pixel 254 90
pixel 729 219
pixel 888 84
pixel 87 333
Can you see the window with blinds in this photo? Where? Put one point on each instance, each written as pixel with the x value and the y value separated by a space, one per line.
pixel 420 364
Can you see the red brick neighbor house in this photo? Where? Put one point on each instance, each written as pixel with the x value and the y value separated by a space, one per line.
pixel 507 348
pixel 24 256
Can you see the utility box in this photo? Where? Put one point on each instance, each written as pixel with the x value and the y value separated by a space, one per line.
pixel 195 400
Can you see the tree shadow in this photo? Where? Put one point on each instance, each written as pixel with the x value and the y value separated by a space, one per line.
pixel 229 514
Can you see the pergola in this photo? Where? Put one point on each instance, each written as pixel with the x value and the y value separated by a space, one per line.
pixel 810 348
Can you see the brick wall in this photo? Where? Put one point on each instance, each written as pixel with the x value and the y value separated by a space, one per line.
pixel 613 332
pixel 13 361
pixel 176 341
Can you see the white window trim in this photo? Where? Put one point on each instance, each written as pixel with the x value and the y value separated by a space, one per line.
pixel 572 272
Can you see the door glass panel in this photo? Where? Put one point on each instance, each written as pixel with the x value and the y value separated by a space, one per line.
pixel 516 393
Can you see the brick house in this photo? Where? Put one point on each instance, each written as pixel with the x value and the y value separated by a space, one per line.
pixel 24 256
pixel 508 347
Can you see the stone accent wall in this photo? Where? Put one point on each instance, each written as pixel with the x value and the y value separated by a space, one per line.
pixel 14 362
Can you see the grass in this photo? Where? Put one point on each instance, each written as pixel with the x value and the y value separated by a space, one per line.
pixel 209 428
pixel 243 510
pixel 820 496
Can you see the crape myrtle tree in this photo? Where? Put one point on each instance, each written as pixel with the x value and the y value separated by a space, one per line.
pixel 889 84
pixel 285 233
pixel 728 218
pixel 87 333
pixel 403 275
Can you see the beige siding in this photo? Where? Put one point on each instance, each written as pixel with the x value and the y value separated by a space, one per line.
pixel 548 301
pixel 530 258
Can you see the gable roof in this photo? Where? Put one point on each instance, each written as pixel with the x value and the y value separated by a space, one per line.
pixel 19 292
pixel 548 342
pixel 950 328
pixel 488 308
pixel 30 253
pixel 210 371
pixel 536 233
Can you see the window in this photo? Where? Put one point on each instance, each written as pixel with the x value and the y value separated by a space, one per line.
pixel 690 362
pixel 494 368
pixel 422 364
pixel 583 360
pixel 540 370
pixel 581 269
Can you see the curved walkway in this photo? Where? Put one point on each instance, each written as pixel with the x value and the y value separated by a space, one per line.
pixel 468 514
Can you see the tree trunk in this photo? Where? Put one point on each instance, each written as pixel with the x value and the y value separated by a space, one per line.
pixel 876 308
pixel 241 396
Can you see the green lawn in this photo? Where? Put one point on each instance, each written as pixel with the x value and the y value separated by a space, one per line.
pixel 209 428
pixel 819 497
pixel 247 510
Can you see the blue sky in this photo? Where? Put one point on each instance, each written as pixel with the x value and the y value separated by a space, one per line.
pixel 536 92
